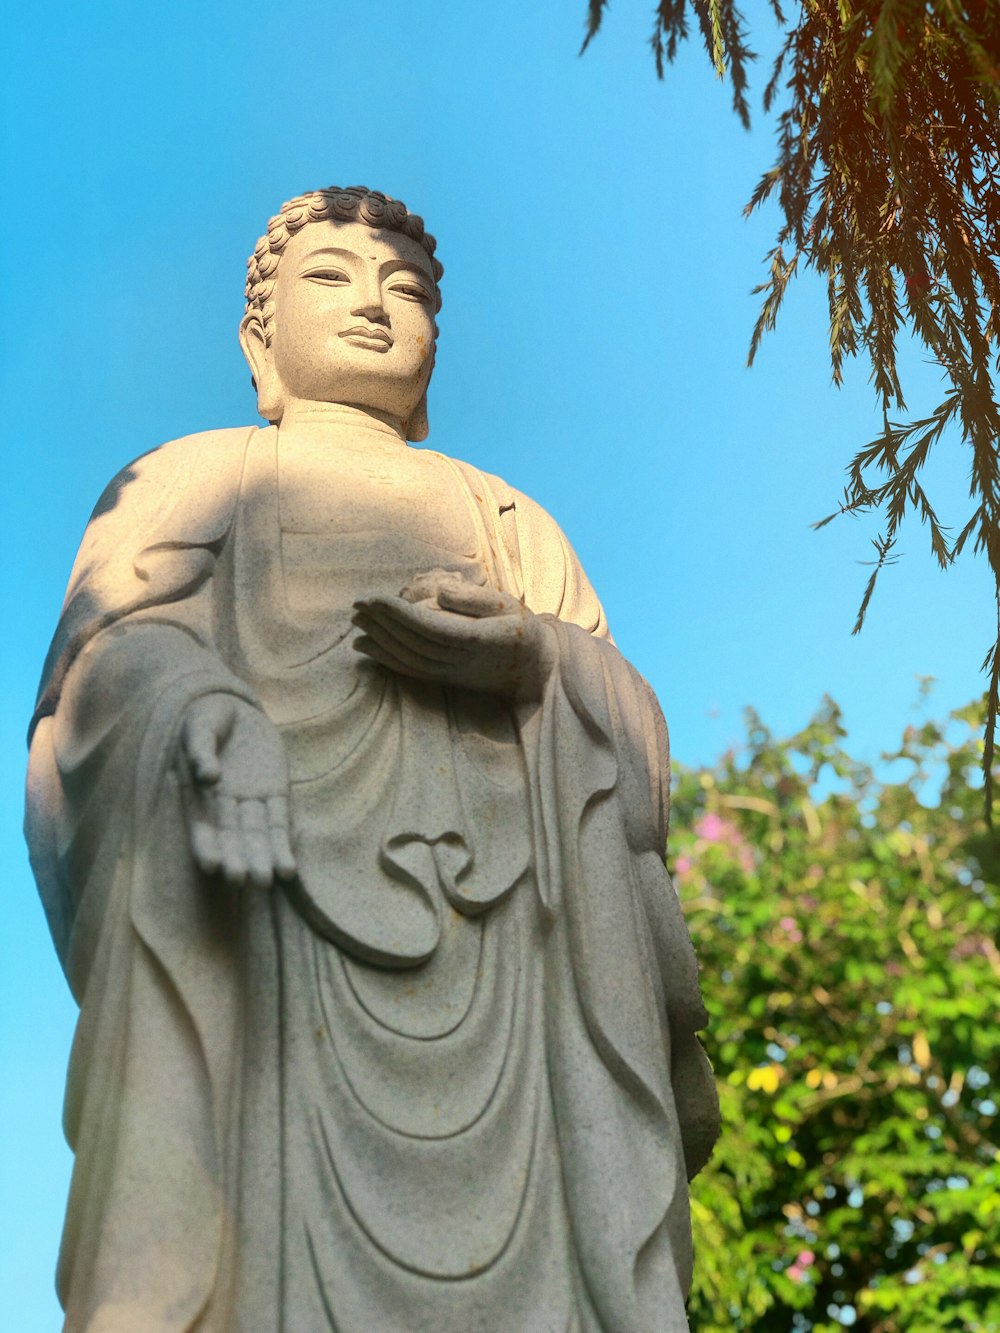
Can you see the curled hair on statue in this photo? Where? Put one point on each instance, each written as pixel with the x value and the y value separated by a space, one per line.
pixel 355 203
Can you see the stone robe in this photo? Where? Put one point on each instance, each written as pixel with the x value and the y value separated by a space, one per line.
pixel 448 1077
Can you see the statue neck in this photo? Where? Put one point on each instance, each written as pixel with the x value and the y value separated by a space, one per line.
pixel 336 423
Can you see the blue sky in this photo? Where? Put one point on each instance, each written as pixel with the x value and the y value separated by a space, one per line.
pixel 596 316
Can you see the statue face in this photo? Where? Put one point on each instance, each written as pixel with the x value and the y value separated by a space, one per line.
pixel 354 318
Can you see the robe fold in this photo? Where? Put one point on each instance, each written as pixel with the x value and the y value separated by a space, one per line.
pixel 448 1077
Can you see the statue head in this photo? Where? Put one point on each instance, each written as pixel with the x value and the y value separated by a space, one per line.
pixel 341 296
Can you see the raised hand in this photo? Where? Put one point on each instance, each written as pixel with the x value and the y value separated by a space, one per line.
pixel 445 629
pixel 234 774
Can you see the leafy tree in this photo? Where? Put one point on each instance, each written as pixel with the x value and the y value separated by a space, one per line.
pixel 847 938
pixel 887 179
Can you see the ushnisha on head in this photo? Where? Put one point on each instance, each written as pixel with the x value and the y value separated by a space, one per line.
pixel 341 296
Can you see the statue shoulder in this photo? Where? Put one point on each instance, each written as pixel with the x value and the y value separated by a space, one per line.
pixel 155 479
pixel 180 496
pixel 184 490
pixel 505 498
pixel 551 574
pixel 505 502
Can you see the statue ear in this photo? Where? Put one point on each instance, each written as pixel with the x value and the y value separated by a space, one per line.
pixel 270 395
pixel 418 427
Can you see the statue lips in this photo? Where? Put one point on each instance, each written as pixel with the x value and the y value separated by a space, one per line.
pixel 378 340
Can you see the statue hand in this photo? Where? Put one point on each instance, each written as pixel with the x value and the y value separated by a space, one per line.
pixel 235 778
pixel 454 632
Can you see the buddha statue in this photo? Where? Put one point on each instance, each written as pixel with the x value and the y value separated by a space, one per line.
pixel 349 820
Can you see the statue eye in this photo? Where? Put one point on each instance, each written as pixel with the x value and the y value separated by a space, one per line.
pixel 410 291
pixel 330 277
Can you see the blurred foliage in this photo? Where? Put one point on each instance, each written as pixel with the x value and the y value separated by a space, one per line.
pixel 847 934
pixel 887 178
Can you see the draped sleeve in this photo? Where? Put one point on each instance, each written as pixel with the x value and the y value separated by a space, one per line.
pixel 149 956
pixel 634 1092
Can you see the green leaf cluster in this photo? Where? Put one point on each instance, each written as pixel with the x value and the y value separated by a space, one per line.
pixel 847 934
pixel 887 181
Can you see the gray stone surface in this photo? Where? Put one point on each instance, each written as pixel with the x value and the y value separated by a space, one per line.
pixel 349 820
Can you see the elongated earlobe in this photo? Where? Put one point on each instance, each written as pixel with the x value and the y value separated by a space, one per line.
pixel 270 395
pixel 418 427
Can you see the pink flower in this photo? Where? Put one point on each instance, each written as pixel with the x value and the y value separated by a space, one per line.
pixel 806 1258
pixel 791 928
pixel 796 1273
pixel 969 946
pixel 682 865
pixel 711 827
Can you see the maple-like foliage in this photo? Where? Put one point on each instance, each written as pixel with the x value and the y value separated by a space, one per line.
pixel 846 927
pixel 887 177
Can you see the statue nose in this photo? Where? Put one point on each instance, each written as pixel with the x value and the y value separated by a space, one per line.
pixel 372 309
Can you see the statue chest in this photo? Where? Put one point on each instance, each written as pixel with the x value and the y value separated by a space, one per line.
pixel 316 528
pixel 360 522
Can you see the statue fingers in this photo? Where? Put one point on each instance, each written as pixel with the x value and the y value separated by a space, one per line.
pixel 382 645
pixel 205 844
pixel 256 839
pixel 433 628
pixel 426 585
pixel 199 817
pixel 207 725
pixel 423 587
pixel 398 636
pixel 282 856
pixel 233 863
pixel 469 599
pixel 396 612
pixel 399 664
pixel 200 749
